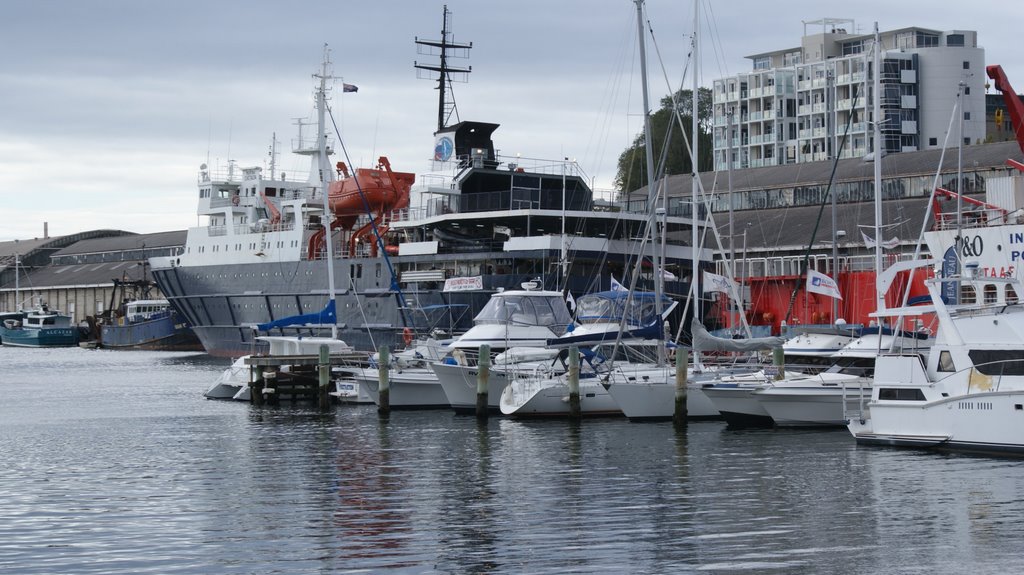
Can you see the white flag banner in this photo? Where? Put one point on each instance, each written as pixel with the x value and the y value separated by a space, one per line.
pixel 818 282
pixel 616 286
pixel 887 244
pixel 717 283
pixel 668 276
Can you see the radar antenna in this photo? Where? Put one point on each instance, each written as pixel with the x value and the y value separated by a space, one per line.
pixel 444 48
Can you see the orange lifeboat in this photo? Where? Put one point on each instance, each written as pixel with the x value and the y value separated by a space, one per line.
pixel 376 192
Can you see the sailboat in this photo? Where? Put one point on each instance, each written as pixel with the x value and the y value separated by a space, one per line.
pixel 646 389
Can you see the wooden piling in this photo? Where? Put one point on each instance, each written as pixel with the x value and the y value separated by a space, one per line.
pixel 682 412
pixel 779 361
pixel 324 372
pixel 573 377
pixel 383 367
pixel 270 388
pixel 256 385
pixel 483 373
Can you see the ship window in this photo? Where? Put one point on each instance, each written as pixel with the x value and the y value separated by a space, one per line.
pixel 1011 295
pixel 967 294
pixel 998 361
pixel 991 294
pixel 946 362
pixel 901 394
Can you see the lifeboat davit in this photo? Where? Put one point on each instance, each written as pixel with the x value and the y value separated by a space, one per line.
pixel 376 192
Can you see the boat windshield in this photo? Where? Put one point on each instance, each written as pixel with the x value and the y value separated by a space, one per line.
pixel 607 307
pixel 859 366
pixel 548 311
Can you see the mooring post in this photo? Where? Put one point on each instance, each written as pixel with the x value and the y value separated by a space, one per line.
pixel 270 387
pixel 483 374
pixel 324 366
pixel 256 385
pixel 682 412
pixel 573 377
pixel 383 365
pixel 779 361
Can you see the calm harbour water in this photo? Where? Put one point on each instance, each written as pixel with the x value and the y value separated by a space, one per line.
pixel 112 462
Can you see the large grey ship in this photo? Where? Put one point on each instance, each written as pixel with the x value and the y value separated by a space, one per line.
pixel 477 224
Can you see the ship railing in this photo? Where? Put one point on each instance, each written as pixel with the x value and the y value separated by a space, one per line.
pixel 968 219
pixel 220 202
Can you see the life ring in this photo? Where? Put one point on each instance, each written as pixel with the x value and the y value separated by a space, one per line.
pixel 235 200
pixel 407 336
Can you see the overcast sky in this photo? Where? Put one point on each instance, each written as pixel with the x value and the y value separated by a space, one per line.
pixel 108 107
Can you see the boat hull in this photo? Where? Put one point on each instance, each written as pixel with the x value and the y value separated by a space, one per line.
pixel 45 337
pixel 459 383
pixel 550 398
pixel 984 423
pixel 223 303
pixel 160 334
pixel 810 407
pixel 738 406
pixel 415 388
pixel 649 401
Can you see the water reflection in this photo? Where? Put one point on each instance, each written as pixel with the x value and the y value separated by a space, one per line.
pixel 121 467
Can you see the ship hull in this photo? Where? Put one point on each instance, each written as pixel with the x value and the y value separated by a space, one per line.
pixel 224 303
pixel 160 334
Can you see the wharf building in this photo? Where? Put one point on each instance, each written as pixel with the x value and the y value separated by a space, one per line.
pixel 772 220
pixel 796 104
pixel 78 274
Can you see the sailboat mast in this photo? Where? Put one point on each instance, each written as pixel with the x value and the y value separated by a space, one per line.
pixel 695 185
pixel 652 193
pixel 326 177
pixel 879 295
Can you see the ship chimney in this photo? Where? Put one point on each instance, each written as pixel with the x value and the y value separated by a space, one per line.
pixel 46 230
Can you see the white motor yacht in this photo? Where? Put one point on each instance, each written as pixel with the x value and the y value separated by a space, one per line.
pixel 968 394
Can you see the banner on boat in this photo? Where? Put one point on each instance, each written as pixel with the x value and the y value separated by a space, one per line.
pixel 616 286
pixel 464 284
pixel 717 283
pixel 818 282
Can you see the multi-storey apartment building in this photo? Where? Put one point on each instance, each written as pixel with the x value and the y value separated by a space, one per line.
pixel 797 104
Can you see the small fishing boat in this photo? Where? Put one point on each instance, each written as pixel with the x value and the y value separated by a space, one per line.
pixel 39 327
pixel 149 324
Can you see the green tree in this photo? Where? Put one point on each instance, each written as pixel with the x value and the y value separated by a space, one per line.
pixel 632 164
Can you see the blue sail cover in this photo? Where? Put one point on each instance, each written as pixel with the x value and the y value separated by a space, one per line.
pixel 641 318
pixel 325 316
pixel 651 331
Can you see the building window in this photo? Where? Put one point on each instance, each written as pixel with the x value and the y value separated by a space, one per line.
pixel 955 40
pixel 933 141
pixel 967 115
pixel 967 65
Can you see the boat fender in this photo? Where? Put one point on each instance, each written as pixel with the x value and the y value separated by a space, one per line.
pixel 407 336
